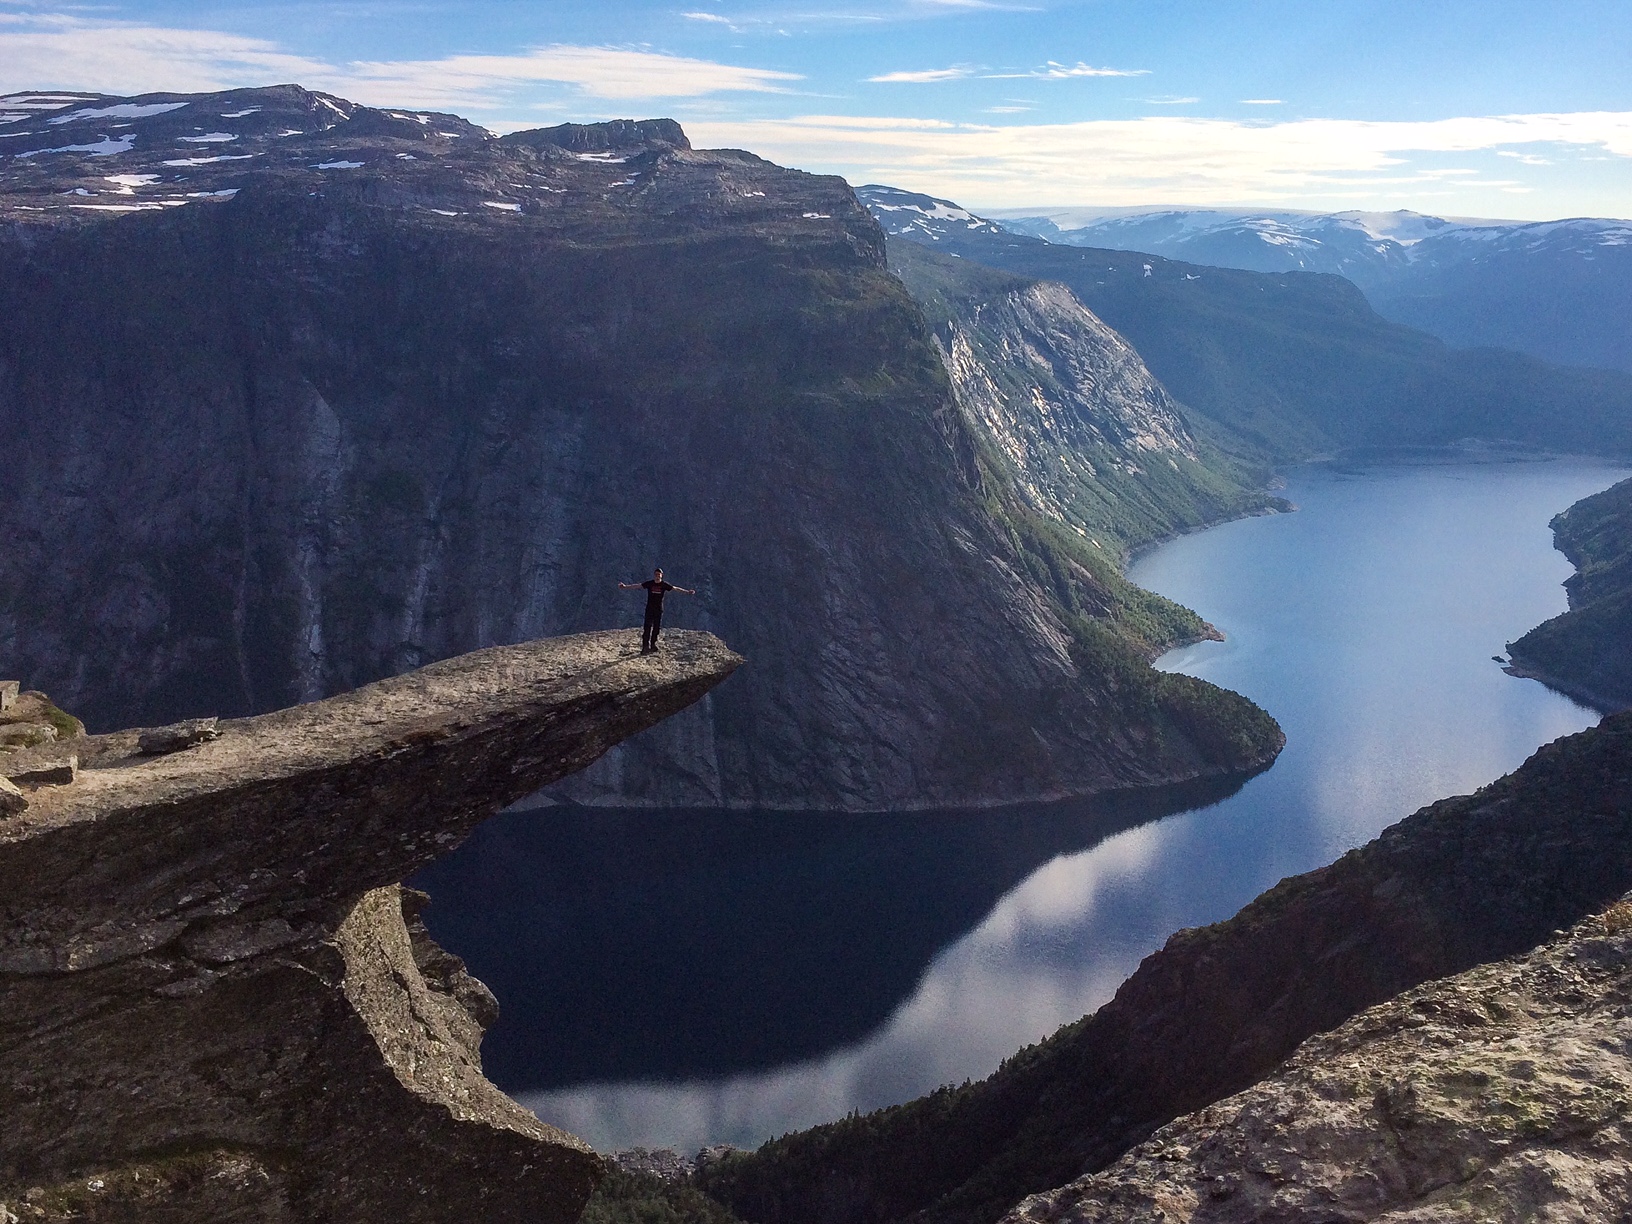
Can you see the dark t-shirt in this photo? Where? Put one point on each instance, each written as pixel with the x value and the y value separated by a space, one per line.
pixel 654 593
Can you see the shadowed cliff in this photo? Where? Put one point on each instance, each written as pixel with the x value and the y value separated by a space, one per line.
pixel 375 388
pixel 215 999
pixel 1587 652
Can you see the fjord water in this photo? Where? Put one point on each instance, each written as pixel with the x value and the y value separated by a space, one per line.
pixel 685 978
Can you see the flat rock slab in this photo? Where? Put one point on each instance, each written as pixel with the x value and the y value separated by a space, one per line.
pixel 302 808
pixel 207 951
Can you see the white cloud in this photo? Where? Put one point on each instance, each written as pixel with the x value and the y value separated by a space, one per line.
pixel 1169 100
pixel 1052 71
pixel 597 72
pixel 64 52
pixel 1262 102
pixel 1168 159
pixel 924 77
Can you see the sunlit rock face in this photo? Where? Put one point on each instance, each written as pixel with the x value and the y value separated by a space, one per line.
pixel 216 1002
pixel 313 393
pixel 1085 432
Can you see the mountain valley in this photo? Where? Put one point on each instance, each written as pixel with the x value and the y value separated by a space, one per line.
pixel 1557 290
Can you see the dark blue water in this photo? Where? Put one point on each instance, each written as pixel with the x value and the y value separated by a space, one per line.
pixel 678 979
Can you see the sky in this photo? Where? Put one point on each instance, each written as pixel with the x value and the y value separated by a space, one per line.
pixel 1452 107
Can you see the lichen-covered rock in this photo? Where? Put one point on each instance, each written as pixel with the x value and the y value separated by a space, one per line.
pixel 1504 1093
pixel 204 956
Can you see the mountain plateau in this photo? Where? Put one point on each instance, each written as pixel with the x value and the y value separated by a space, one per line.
pixel 1560 291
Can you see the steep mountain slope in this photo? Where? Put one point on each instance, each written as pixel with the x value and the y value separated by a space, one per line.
pixel 1091 438
pixel 1587 652
pixel 1294 364
pixel 1463 882
pixel 295 394
pixel 1557 290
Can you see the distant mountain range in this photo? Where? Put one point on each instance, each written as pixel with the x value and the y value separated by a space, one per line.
pixel 1286 365
pixel 1559 290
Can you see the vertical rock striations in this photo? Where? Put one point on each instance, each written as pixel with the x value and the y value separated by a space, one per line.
pixel 216 1001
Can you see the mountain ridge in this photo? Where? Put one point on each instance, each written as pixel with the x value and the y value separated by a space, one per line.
pixel 397 388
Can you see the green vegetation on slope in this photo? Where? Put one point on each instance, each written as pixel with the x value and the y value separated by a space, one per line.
pixel 625 1197
pixel 1296 364
pixel 1122 496
pixel 1587 652
pixel 1463 882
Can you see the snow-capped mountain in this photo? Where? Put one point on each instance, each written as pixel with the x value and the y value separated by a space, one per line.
pixel 1560 290
pixel 907 213
pixel 1360 245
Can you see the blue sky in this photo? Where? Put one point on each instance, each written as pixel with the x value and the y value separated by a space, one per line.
pixel 1458 108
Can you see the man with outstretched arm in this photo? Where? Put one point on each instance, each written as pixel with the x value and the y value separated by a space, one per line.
pixel 655 589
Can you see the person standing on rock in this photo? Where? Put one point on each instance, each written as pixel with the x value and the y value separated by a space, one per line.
pixel 655 589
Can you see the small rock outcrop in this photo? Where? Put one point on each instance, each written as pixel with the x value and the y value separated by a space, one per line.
pixel 1585 651
pixel 1500 1094
pixel 216 1000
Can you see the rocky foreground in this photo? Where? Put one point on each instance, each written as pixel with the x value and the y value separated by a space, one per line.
pixel 216 1001
pixel 1504 1093
pixel 1464 883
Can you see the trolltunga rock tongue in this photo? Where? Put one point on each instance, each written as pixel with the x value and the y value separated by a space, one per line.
pixel 206 953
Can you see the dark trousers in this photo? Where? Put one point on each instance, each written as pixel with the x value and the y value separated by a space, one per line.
pixel 654 622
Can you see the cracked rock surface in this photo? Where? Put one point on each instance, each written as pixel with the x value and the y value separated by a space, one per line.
pixel 210 999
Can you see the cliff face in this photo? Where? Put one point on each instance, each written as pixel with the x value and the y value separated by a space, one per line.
pixel 1069 410
pixel 1498 1094
pixel 1292 364
pixel 1464 882
pixel 216 1002
pixel 1587 652
pixel 412 390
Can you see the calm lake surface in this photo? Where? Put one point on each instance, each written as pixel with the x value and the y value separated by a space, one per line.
pixel 686 978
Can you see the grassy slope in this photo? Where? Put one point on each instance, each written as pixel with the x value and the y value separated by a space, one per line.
pixel 1588 650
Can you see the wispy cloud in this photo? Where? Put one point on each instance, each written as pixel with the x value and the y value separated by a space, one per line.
pixel 1262 102
pixel 1169 100
pixel 1169 159
pixel 924 77
pixel 110 57
pixel 597 72
pixel 1052 71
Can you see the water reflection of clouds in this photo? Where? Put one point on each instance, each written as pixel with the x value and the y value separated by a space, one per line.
pixel 1014 979
pixel 1365 624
